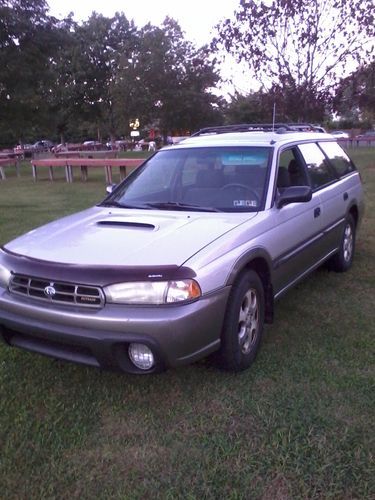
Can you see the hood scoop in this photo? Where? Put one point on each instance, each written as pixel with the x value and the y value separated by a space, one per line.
pixel 126 224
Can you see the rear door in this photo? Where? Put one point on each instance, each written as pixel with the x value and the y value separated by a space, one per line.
pixel 332 193
pixel 338 199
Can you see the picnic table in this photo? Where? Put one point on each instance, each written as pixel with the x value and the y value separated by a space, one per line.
pixel 86 154
pixel 7 162
pixel 125 165
pixel 50 163
pixel 107 163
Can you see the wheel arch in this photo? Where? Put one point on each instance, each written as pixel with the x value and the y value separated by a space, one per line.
pixel 354 212
pixel 259 261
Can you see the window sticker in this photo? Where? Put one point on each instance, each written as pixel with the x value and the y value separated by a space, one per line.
pixel 244 158
pixel 244 203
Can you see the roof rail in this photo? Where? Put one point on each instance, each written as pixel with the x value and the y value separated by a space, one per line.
pixel 279 128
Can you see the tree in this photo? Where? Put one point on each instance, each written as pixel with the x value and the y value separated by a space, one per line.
pixel 248 109
pixel 167 81
pixel 28 37
pixel 300 48
pixel 87 80
pixel 258 107
pixel 186 100
pixel 355 95
pixel 101 43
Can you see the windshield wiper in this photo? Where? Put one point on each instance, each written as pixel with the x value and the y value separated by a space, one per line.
pixel 175 205
pixel 122 205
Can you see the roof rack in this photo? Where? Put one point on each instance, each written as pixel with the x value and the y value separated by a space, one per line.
pixel 278 128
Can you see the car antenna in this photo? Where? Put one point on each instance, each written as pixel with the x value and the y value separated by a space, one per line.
pixel 273 117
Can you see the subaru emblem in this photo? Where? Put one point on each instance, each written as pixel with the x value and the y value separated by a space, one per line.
pixel 49 291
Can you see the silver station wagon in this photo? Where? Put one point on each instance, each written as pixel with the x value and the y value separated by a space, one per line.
pixel 185 257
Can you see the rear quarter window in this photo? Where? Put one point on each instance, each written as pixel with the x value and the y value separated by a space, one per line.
pixel 338 158
pixel 318 169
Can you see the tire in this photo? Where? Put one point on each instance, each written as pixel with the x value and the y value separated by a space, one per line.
pixel 343 260
pixel 243 323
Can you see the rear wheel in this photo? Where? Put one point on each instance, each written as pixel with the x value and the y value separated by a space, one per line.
pixel 343 260
pixel 243 323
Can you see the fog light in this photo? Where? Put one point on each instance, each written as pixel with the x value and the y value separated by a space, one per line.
pixel 141 356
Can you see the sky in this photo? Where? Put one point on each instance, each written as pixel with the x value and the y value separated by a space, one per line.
pixel 197 18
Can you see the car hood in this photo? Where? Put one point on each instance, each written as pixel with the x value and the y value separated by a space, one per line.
pixel 120 237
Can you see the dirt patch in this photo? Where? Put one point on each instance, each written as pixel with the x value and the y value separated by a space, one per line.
pixel 277 489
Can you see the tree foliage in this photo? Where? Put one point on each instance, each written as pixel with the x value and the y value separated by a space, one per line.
pixel 252 108
pixel 100 44
pixel 299 49
pixel 88 80
pixel 355 95
pixel 257 107
pixel 27 39
pixel 176 78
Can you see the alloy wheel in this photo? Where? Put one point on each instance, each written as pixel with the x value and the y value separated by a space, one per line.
pixel 248 321
pixel 348 243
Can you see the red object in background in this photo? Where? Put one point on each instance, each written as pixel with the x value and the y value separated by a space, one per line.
pixel 152 134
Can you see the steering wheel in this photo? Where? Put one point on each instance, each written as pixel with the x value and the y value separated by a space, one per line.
pixel 253 193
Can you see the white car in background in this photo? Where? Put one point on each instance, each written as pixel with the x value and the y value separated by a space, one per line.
pixel 340 134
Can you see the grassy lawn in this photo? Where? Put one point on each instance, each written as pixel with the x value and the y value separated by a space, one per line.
pixel 298 424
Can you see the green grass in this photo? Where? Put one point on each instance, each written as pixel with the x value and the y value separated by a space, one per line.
pixel 298 424
pixel 135 154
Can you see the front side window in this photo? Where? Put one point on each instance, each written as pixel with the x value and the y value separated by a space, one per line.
pixel 225 179
pixel 338 158
pixel 318 169
pixel 291 171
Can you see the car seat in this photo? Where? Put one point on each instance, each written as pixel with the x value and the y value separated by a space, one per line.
pixel 249 175
pixel 283 178
pixel 296 174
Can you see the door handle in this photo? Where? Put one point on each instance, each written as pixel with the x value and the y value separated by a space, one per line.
pixel 346 196
pixel 316 212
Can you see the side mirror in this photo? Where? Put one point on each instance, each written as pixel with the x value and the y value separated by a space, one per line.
pixel 109 189
pixel 293 194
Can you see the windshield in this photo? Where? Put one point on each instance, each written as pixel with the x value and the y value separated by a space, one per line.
pixel 228 179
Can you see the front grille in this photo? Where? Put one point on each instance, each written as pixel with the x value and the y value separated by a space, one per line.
pixel 56 291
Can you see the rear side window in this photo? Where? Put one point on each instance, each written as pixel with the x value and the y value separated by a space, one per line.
pixel 338 158
pixel 318 169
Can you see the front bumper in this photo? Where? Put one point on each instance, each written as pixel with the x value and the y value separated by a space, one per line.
pixel 177 334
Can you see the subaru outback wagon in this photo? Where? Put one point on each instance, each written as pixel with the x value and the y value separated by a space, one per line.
pixel 185 257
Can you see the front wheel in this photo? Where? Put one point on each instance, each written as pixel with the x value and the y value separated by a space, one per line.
pixel 342 261
pixel 243 323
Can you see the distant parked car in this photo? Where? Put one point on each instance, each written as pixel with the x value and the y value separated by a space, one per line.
pixel 37 147
pixel 340 134
pixel 43 145
pixel 63 148
pixel 92 146
pixel 368 135
pixel 59 148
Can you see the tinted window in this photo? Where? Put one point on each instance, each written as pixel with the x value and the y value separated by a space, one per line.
pixel 291 171
pixel 338 158
pixel 318 169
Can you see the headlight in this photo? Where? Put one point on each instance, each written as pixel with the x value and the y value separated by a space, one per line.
pixel 4 276
pixel 152 292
